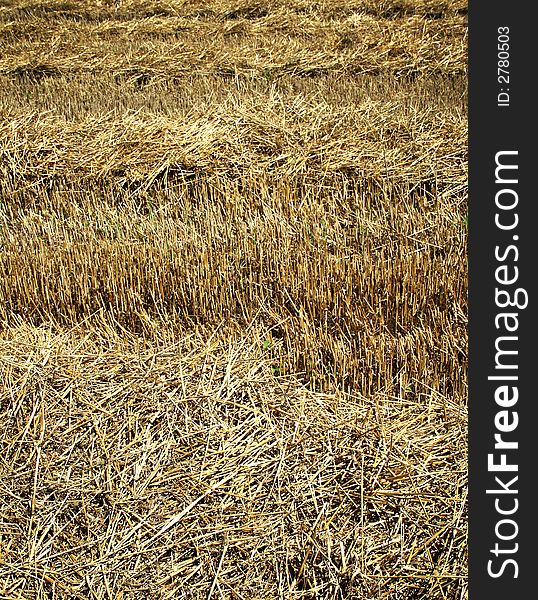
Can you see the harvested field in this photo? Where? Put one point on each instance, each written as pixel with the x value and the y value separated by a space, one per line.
pixel 233 299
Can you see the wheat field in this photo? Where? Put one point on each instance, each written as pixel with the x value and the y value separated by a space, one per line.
pixel 233 299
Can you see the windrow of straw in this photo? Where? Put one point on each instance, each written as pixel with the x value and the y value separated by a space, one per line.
pixel 376 141
pixel 110 10
pixel 168 47
pixel 183 468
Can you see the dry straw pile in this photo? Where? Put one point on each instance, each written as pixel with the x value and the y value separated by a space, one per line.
pixel 233 299
pixel 173 469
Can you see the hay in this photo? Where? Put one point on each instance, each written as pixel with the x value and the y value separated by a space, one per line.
pixel 186 468
pixel 233 299
pixel 173 44
pixel 375 140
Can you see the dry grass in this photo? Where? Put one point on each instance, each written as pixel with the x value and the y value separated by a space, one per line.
pixel 233 299
pixel 272 136
pixel 229 38
pixel 174 467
